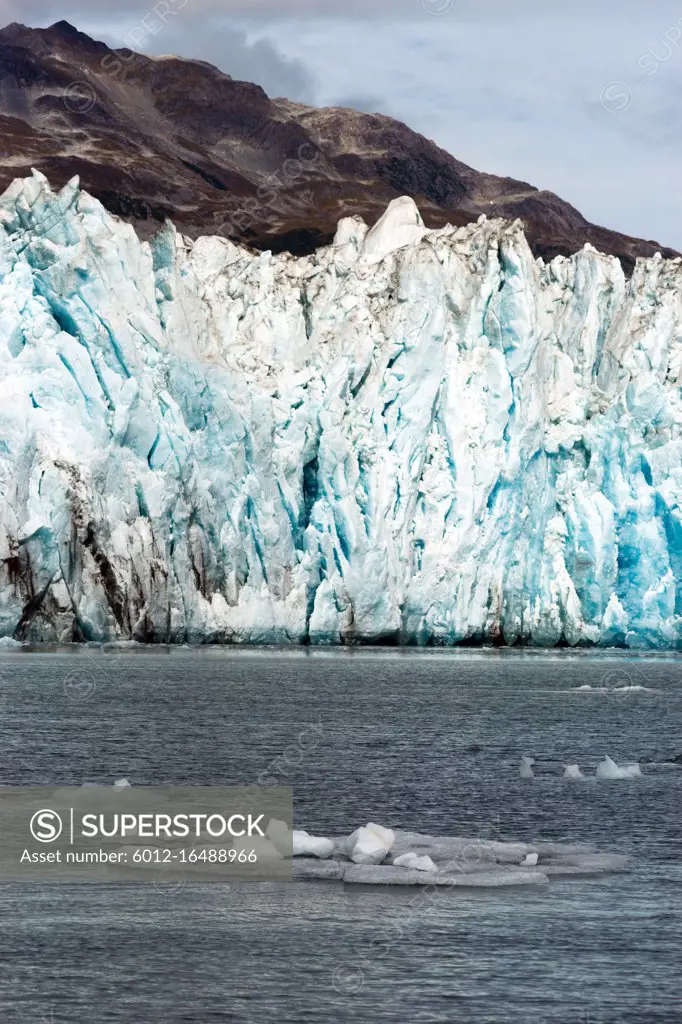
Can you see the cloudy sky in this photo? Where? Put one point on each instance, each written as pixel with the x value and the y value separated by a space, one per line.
pixel 580 98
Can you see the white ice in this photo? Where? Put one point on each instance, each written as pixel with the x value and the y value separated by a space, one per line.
pixel 305 845
pixel 422 435
pixel 608 769
pixel 370 844
pixel 572 771
pixel 526 768
pixel 413 860
pixel 419 859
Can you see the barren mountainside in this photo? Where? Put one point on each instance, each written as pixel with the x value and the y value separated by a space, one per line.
pixel 157 138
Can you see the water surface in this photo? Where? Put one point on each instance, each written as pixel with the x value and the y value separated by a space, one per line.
pixel 424 740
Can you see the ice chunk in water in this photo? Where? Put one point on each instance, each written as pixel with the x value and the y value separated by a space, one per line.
pixel 526 769
pixel 572 771
pixel 279 835
pixel 264 848
pixel 608 769
pixel 413 860
pixel 420 859
pixel 121 784
pixel 305 845
pixel 369 844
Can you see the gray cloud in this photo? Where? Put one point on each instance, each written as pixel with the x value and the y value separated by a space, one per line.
pixel 254 11
pixel 230 50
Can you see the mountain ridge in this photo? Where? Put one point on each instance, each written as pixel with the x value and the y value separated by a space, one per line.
pixel 165 137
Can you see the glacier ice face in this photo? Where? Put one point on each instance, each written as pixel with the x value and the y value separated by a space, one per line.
pixel 410 436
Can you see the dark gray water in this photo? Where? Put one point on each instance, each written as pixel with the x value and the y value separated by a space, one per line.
pixel 422 740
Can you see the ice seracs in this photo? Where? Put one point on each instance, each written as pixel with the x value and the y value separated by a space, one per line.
pixel 412 435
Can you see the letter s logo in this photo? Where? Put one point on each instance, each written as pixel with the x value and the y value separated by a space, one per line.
pixel 46 826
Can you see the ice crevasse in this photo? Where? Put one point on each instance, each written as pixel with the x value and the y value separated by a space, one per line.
pixel 410 436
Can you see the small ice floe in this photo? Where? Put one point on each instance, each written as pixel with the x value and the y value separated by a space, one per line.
pixel 305 845
pixel 608 769
pixel 264 848
pixel 278 833
pixel 297 843
pixel 9 642
pixel 526 768
pixel 572 771
pixel 370 844
pixel 121 784
pixel 450 861
pixel 413 860
pixel 585 686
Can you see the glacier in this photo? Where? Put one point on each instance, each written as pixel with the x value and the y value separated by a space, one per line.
pixel 411 436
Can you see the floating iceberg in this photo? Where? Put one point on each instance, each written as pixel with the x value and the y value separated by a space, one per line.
pixel 572 771
pixel 370 844
pixel 414 861
pixel 526 768
pixel 608 769
pixel 418 859
pixel 422 436
pixel 305 845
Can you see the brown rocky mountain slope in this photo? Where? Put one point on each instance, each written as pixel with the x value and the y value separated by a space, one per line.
pixel 167 137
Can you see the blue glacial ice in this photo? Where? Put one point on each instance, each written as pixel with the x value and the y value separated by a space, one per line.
pixel 410 436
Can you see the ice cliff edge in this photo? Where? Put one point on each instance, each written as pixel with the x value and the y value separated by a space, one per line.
pixel 414 436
